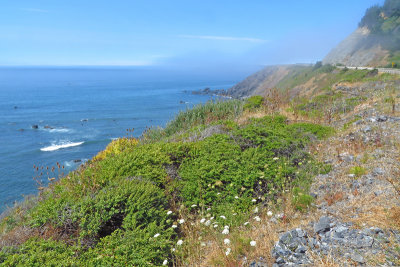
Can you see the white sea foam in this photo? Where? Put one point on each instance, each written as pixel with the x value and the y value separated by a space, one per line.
pixel 61 130
pixel 59 146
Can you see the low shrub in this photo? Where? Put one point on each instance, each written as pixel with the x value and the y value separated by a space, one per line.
pixel 253 102
pixel 300 200
pixel 358 171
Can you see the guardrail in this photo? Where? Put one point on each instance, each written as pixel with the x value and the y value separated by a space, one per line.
pixel 384 70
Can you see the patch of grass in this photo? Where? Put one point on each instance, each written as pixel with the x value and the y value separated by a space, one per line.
pixel 349 123
pixel 253 102
pixel 358 171
pixel 300 200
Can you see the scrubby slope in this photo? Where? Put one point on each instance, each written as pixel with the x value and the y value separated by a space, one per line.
pixel 129 204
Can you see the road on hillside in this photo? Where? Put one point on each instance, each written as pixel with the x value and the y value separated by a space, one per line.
pixel 385 70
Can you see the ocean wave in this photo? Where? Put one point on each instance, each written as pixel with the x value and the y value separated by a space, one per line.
pixel 61 130
pixel 60 146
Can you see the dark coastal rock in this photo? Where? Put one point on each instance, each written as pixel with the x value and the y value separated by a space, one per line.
pixel 35 126
pixel 77 160
pixel 208 91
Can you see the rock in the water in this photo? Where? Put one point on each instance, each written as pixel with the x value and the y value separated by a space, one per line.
pixel 35 126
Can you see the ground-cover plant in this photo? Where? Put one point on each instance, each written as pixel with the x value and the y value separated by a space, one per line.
pixel 117 208
pixel 199 114
pixel 357 171
pixel 253 102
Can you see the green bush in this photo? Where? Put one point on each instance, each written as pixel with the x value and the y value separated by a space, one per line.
pixel 300 200
pixel 358 171
pixel 204 114
pixel 37 252
pixel 253 102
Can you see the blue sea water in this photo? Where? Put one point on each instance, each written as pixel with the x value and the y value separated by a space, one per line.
pixel 78 111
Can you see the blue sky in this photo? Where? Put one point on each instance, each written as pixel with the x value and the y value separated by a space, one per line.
pixel 175 33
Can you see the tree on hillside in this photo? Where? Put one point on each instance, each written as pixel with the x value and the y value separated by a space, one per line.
pixel 372 19
pixel 391 8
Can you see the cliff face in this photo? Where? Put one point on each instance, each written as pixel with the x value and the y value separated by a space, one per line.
pixel 359 49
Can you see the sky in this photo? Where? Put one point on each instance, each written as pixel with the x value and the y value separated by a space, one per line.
pixel 209 34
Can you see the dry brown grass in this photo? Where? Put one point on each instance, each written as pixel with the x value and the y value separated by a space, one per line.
pixel 326 260
pixel 204 245
pixel 332 198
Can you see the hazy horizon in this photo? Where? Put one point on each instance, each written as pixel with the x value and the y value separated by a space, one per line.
pixel 206 36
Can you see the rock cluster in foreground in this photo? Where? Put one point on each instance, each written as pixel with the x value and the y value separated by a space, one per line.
pixel 330 237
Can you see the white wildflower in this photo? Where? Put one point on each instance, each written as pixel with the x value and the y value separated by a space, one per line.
pixel 223 217
pixel 227 241
pixel 236 197
pixel 202 220
pixel 228 251
pixel 174 226
pixel 208 209
pixel 226 227
pixel 157 235
pixel 203 244
pixel 180 242
pixel 225 231
pixel 169 212
pixel 207 223
pixel 253 243
pixel 269 213
pixel 275 158
pixel 246 223
pixel 234 214
pixel 258 219
pixel 194 205
pixel 215 225
pixel 212 218
pixel 165 262
pixel 173 249
pixel 181 221
pixel 255 210
pixel 254 200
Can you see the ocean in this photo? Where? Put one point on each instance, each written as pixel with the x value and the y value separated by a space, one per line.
pixel 67 115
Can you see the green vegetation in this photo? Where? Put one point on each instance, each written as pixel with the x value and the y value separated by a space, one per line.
pixel 324 77
pixel 301 200
pixel 382 19
pixel 253 102
pixel 113 211
pixel 358 171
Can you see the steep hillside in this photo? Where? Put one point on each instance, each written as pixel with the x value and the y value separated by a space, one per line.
pixel 361 48
pixel 298 80
pixel 257 83
pixel 375 43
